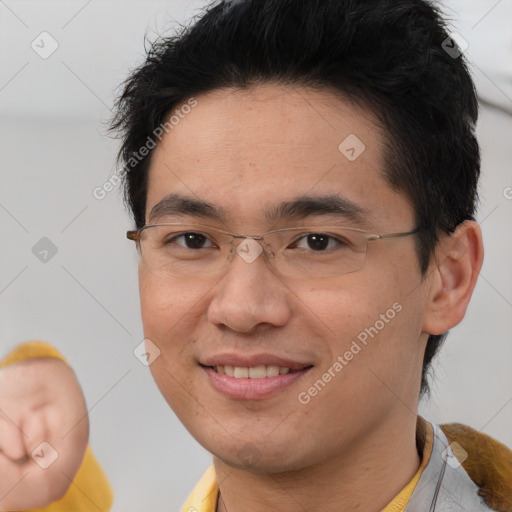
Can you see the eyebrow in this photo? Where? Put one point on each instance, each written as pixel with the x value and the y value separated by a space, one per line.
pixel 298 208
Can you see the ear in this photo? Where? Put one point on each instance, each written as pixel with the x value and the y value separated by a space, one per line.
pixel 452 277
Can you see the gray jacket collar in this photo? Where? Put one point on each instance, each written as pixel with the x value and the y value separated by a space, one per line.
pixel 444 485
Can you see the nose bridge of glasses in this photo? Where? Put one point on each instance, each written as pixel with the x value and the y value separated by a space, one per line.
pixel 250 247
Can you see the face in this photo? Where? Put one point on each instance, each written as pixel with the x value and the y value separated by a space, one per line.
pixel 354 343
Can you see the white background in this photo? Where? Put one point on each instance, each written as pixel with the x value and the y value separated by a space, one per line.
pixel 54 152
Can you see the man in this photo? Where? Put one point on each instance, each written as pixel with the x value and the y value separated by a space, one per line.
pixel 343 132
pixel 302 176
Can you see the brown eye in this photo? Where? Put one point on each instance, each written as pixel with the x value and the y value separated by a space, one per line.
pixel 318 242
pixel 190 240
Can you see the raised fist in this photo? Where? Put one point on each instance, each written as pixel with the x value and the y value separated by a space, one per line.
pixel 44 431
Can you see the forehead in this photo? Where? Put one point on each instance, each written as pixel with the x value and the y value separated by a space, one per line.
pixel 248 150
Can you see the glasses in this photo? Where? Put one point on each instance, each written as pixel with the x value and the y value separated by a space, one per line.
pixel 300 252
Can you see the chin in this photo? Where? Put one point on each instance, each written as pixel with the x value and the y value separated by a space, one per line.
pixel 257 455
pixel 259 463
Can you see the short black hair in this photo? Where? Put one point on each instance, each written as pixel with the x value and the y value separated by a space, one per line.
pixel 395 57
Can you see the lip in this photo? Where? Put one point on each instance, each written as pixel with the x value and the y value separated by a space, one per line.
pixel 252 389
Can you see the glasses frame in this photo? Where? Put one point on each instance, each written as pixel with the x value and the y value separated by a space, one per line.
pixel 135 235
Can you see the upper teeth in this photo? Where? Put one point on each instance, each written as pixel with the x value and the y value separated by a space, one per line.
pixel 254 372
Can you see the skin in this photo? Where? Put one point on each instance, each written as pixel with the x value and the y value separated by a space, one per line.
pixel 353 446
pixel 40 402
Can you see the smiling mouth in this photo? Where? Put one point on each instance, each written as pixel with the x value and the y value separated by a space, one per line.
pixel 254 372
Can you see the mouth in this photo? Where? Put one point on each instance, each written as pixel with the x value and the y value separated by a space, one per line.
pixel 254 372
pixel 241 379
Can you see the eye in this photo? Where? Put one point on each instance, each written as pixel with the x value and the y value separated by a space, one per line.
pixel 319 242
pixel 190 240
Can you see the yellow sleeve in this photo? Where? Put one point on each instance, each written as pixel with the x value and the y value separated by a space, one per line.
pixel 90 489
pixel 31 350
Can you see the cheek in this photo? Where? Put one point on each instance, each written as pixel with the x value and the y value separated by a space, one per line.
pixel 164 304
pixel 372 355
pixel 374 319
pixel 171 317
pixel 349 304
pixel 169 321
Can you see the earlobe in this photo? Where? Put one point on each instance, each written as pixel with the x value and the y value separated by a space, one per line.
pixel 458 260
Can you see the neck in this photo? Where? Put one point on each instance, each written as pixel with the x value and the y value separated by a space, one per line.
pixel 366 477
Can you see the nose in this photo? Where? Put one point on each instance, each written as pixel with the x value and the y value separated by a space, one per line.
pixel 250 294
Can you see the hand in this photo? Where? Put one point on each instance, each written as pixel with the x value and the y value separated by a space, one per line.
pixel 44 431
